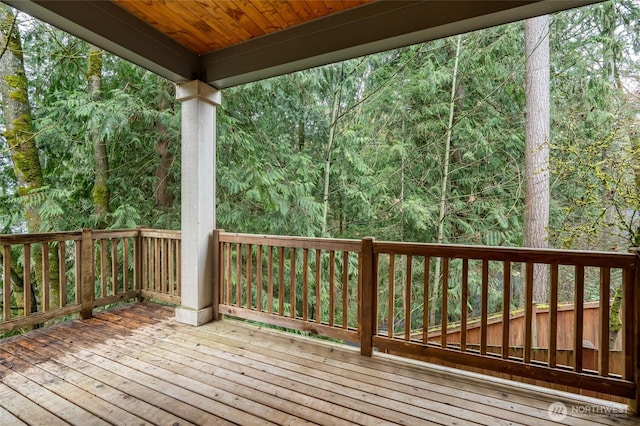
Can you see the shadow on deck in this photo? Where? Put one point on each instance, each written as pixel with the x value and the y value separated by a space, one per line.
pixel 136 365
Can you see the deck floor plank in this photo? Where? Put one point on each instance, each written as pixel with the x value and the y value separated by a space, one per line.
pixel 6 418
pixel 501 409
pixel 504 406
pixel 112 361
pixel 506 397
pixel 467 386
pixel 439 405
pixel 285 365
pixel 24 409
pixel 237 409
pixel 71 392
pixel 355 409
pixel 97 386
pixel 161 401
pixel 135 364
pixel 29 383
pixel 265 393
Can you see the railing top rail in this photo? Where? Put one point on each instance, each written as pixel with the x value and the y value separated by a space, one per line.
pixel 160 233
pixel 512 254
pixel 102 234
pixel 45 237
pixel 293 242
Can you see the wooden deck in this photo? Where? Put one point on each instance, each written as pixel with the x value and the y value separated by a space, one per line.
pixel 135 365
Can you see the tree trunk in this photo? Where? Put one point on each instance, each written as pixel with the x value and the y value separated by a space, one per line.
pixel 537 131
pixel 446 157
pixel 19 133
pixel 100 191
pixel 164 198
pixel 335 106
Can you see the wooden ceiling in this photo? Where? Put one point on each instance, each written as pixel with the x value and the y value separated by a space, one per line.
pixel 231 42
pixel 205 26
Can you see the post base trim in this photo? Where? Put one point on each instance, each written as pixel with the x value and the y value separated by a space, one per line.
pixel 195 317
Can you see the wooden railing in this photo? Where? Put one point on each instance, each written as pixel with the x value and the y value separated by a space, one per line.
pixel 160 264
pixel 461 265
pixel 388 302
pixel 383 296
pixel 24 256
pixel 259 275
pixel 52 275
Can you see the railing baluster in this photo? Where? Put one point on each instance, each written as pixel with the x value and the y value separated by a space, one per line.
pixel 367 295
pixel 332 288
pixel 305 284
pixel 78 272
pixel 125 265
pixel 26 279
pixel 506 308
pixel 270 279
pixel 218 273
pixel 629 326
pixel 631 281
pixel 603 347
pixel 425 308
pixel 375 290
pixel 345 288
pixel 144 264
pixel 88 274
pixel 228 269
pixel 259 278
pixel 281 281
pixel 6 282
pixel 174 268
pixel 579 319
pixel 103 267
pixel 164 261
pixel 151 267
pixel 484 315
pixel 248 260
pixel 359 292
pixel 168 285
pixel 114 265
pixel 137 264
pixel 45 277
pixel 392 279
pixel 157 276
pixel 553 315
pixel 445 303
pixel 171 285
pixel 528 313
pixel 318 308
pixel 239 275
pixel 292 288
pixel 178 269
pixel 463 302
pixel 407 301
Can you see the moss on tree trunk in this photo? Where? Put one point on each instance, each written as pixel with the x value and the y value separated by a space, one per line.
pixel 100 192
pixel 14 88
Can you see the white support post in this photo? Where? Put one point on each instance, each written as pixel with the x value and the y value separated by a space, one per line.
pixel 199 102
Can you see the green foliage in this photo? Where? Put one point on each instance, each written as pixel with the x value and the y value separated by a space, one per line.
pixel 594 149
pixel 129 116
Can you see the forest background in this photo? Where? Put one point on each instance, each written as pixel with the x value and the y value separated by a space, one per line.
pixel 424 143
